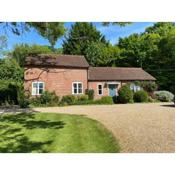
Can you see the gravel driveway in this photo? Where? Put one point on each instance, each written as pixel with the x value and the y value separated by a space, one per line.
pixel 138 127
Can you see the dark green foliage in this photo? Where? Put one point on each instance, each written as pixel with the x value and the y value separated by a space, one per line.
pixel 90 93
pixel 8 92
pixel 45 99
pixel 149 86
pixel 141 96
pixel 49 30
pixel 68 100
pixel 154 50
pixel 125 94
pixel 20 52
pixel 82 97
pixel 23 100
pixel 10 70
pixel 100 54
pixel 104 100
pixel 24 103
pixel 49 98
pixel 80 36
pixel 164 96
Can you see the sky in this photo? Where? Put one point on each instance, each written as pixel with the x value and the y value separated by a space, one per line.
pixel 112 33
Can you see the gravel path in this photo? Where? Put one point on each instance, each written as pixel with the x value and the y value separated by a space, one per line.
pixel 138 127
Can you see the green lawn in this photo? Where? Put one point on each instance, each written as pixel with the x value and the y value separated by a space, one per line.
pixel 51 133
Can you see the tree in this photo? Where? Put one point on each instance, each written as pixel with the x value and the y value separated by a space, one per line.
pixel 80 36
pixel 154 50
pixel 3 44
pixel 98 54
pixel 122 24
pixel 10 70
pixel 20 52
pixel 50 30
pixel 161 28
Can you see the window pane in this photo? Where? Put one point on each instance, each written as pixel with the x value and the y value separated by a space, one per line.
pixel 34 88
pixel 75 91
pixel 40 91
pixel 75 85
pixel 99 86
pixel 35 85
pixel 100 92
pixel 100 89
pixel 41 85
pixel 80 91
pixel 79 85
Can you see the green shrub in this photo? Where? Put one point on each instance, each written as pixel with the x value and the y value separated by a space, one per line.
pixel 35 101
pixel 125 94
pixel 82 97
pixel 49 98
pixel 104 100
pixel 149 86
pixel 23 103
pixel 90 93
pixel 141 96
pixel 68 100
pixel 45 99
pixel 8 92
pixel 164 96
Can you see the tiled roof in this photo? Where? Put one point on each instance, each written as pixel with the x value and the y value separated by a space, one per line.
pixel 118 73
pixel 57 60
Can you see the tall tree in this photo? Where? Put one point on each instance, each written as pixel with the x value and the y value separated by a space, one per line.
pixel 153 50
pixel 3 44
pixel 20 52
pixel 98 54
pixel 50 30
pixel 80 36
pixel 161 28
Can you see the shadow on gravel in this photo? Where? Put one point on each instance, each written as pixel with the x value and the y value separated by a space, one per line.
pixel 172 105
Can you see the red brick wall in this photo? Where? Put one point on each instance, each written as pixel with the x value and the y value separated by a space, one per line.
pixel 56 79
pixel 93 85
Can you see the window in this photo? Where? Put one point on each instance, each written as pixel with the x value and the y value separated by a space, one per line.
pixel 77 88
pixel 135 88
pixel 37 88
pixel 100 89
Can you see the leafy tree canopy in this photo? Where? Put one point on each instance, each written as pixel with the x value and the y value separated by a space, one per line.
pixel 80 36
pixel 10 70
pixel 20 52
pixel 122 24
pixel 98 54
pixel 49 30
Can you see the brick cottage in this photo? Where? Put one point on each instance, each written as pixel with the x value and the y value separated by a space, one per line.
pixel 72 75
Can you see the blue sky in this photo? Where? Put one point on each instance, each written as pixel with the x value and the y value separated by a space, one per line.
pixel 112 33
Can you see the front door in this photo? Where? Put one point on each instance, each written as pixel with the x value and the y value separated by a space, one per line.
pixel 112 89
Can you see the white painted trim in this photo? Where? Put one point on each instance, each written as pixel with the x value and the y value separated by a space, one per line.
pixel 77 82
pixel 98 89
pixel 37 87
pixel 114 82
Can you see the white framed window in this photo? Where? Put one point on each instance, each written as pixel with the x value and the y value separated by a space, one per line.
pixel 135 88
pixel 100 89
pixel 37 88
pixel 77 88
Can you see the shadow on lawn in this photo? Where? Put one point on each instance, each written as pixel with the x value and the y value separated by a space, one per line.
pixel 29 121
pixel 13 138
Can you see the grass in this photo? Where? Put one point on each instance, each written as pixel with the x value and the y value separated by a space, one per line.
pixel 53 133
